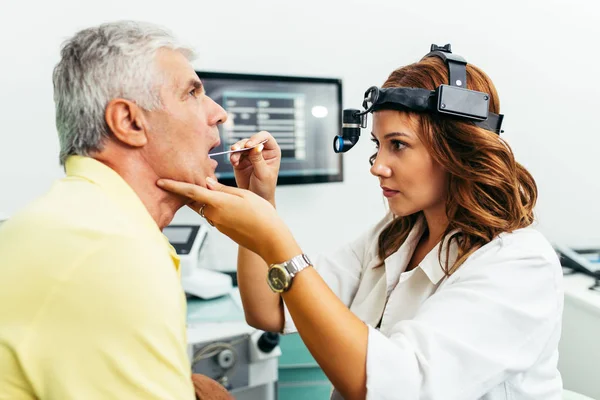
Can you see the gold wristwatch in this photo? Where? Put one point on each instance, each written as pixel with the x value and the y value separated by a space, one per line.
pixel 279 276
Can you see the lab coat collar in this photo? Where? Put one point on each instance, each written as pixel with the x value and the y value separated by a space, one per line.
pixel 396 263
pixel 430 265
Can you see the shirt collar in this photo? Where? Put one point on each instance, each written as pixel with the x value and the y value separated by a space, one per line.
pixel 117 189
pixel 396 263
pixel 430 264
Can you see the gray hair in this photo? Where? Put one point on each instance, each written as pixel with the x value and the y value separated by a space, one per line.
pixel 113 60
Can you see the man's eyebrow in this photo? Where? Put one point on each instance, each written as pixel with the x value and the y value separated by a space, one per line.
pixel 196 84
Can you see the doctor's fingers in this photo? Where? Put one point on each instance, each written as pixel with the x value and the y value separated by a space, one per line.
pixel 212 196
pixel 239 144
pixel 254 157
pixel 262 136
pixel 270 146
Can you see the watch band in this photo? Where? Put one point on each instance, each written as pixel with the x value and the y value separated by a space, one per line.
pixel 297 264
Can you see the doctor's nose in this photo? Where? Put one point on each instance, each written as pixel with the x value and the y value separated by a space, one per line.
pixel 379 169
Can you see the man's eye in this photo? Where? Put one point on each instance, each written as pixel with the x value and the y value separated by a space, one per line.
pixel 196 92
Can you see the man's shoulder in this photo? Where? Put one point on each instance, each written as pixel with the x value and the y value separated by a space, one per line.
pixel 84 259
pixel 71 205
pixel 70 221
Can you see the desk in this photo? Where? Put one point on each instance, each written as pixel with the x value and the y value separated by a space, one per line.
pixel 579 351
pixel 214 319
pixel 220 323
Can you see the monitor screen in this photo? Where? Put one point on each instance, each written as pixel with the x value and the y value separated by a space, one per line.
pixel 177 234
pixel 302 114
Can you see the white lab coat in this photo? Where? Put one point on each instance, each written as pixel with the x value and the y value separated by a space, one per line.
pixel 490 331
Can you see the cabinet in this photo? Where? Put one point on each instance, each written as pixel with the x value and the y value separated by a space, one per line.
pixel 300 377
pixel 579 353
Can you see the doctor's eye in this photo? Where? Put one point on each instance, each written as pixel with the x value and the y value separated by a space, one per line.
pixel 398 145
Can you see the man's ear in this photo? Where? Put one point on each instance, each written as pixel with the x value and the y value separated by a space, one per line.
pixel 126 121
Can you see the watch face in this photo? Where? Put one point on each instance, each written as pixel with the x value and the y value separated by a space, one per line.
pixel 279 278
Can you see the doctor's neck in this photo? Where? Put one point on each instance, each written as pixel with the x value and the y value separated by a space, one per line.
pixel 437 222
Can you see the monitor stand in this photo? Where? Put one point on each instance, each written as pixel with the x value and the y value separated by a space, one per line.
pixel 206 284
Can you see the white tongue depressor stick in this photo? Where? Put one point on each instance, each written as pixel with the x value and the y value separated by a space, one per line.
pixel 235 151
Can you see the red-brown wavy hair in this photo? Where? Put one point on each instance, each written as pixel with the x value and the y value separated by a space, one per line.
pixel 488 191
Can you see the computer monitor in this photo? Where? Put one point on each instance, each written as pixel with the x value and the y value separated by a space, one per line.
pixel 303 115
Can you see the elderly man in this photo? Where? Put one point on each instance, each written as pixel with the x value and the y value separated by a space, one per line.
pixel 91 305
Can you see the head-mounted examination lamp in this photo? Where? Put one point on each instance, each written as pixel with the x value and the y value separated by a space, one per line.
pixel 453 100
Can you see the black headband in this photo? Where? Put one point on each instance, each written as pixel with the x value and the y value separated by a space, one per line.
pixel 453 100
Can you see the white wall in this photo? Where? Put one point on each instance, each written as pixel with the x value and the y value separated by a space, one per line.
pixel 542 55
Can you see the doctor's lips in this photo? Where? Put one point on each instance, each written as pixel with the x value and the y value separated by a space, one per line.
pixel 387 192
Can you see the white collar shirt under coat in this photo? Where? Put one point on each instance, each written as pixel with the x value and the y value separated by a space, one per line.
pixel 490 331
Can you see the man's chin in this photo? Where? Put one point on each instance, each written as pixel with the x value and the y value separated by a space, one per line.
pixel 201 180
pixel 195 176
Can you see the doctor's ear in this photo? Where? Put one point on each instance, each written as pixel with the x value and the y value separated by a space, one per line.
pixel 126 121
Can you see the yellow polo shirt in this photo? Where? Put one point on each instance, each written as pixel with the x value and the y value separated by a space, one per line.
pixel 91 305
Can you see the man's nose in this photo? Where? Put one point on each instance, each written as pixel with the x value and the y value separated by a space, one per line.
pixel 218 114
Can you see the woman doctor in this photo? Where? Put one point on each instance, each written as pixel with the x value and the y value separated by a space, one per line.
pixel 452 296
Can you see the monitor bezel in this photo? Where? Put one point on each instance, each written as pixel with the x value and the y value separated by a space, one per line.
pixel 295 179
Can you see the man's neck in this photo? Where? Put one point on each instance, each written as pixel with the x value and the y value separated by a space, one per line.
pixel 134 170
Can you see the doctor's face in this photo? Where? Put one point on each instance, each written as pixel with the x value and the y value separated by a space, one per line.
pixel 409 178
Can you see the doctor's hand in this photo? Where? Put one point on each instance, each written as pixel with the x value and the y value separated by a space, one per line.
pixel 257 169
pixel 248 219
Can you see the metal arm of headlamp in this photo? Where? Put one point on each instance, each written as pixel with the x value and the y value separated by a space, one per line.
pixel 452 100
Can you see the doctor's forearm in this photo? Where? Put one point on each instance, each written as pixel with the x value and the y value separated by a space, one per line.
pixel 263 308
pixel 333 334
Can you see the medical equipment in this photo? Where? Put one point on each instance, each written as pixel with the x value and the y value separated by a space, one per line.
pixel 240 362
pixel 222 346
pixel 195 280
pixel 453 100
pixel 577 262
